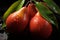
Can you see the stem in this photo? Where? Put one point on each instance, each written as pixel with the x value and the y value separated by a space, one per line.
pixel 27 3
pixel 30 1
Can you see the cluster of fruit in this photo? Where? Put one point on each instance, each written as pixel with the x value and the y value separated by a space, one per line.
pixel 29 15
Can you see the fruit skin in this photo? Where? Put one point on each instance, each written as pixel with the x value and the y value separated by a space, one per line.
pixel 17 21
pixel 31 9
pixel 40 27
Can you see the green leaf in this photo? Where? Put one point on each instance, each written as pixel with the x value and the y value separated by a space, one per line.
pixel 3 25
pixel 20 5
pixel 10 10
pixel 53 6
pixel 14 7
pixel 46 13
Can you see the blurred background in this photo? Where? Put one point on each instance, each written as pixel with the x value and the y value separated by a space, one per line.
pixel 4 5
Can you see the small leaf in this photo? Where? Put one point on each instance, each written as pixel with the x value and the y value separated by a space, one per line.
pixel 3 25
pixel 10 10
pixel 20 5
pixel 53 6
pixel 46 13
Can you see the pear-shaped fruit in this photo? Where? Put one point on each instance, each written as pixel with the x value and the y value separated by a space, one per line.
pixel 40 27
pixel 17 21
pixel 31 9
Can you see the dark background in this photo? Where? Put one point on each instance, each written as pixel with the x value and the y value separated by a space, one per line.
pixel 4 5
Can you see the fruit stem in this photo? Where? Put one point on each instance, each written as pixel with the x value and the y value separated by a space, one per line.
pixel 27 3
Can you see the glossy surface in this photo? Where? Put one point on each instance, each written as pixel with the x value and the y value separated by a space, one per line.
pixel 31 9
pixel 17 21
pixel 40 27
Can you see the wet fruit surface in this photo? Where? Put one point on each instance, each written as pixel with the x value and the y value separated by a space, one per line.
pixel 17 21
pixel 5 5
pixel 39 26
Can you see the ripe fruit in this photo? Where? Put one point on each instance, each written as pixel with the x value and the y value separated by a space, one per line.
pixel 17 21
pixel 39 26
pixel 31 10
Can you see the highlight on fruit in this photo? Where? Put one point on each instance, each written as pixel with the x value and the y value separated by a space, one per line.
pixel 34 16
